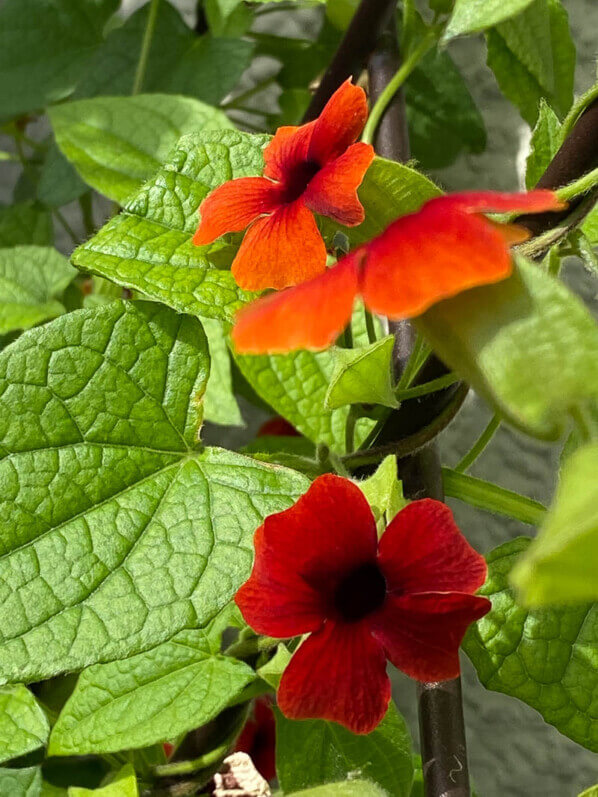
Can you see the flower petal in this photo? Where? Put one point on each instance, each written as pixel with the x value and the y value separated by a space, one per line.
pixel 421 634
pixel 333 191
pixel 337 674
pixel 496 202
pixel 423 550
pixel 310 316
pixel 301 553
pixel 288 148
pixel 339 124
pixel 234 205
pixel 429 256
pixel 283 249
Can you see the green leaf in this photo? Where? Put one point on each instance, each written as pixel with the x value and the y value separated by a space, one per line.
pixel 295 385
pixel 384 491
pixel 118 530
pixel 545 141
pixel 148 246
pixel 348 788
pixel 23 725
pixel 25 223
pixel 179 61
pixel 31 277
pixel 271 672
pixel 20 782
pixel 470 16
pixel 44 46
pixel 560 566
pixel 527 345
pixel 59 182
pixel 123 785
pixel 591 792
pixel 362 375
pixel 312 752
pixel 443 117
pixel 533 57
pixel 227 17
pixel 116 143
pixel 389 190
pixel 220 404
pixel 547 658
pixel 154 696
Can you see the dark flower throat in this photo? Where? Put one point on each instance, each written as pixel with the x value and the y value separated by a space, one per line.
pixel 360 593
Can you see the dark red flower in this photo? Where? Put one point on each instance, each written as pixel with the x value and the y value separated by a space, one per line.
pixel 319 569
pixel 446 247
pixel 315 168
pixel 277 427
pixel 258 738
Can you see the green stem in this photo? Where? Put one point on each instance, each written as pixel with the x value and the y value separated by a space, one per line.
pixel 86 205
pixel 427 387
pixel 251 646
pixel 395 84
pixel 350 430
pixel 188 767
pixel 492 498
pixel 146 44
pixel 416 360
pixel 580 186
pixel 370 326
pixel 479 445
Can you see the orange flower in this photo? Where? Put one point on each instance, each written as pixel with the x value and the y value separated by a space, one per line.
pixel 443 249
pixel 315 168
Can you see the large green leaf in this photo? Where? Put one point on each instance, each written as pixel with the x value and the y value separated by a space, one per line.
pixel 470 16
pixel 30 279
pixel 154 696
pixel 220 403
pixel 312 752
pixel 526 344
pixel 179 61
pixel 25 223
pixel 23 725
pixel 389 190
pixel 20 782
pixel 148 246
pixel 116 143
pixel 44 45
pixel 561 565
pixel 547 658
pixel 533 57
pixel 117 530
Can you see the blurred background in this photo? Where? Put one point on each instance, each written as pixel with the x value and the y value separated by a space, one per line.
pixel 512 751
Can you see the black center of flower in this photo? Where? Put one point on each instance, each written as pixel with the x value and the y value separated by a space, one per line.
pixel 360 593
pixel 298 178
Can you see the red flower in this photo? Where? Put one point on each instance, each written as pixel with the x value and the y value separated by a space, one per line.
pixel 443 249
pixel 315 168
pixel 319 568
pixel 258 738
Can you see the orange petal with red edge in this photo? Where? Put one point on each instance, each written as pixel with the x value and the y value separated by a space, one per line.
pixel 233 206
pixel 283 249
pixel 333 190
pixel 288 148
pixel 496 202
pixel 310 316
pixel 340 123
pixel 431 255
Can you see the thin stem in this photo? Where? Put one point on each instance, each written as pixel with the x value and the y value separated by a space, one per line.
pixel 416 360
pixel 479 445
pixel 187 767
pixel 427 387
pixel 86 205
pixel 370 326
pixel 492 498
pixel 67 227
pixel 394 85
pixel 580 186
pixel 146 44
pixel 246 95
pixel 350 430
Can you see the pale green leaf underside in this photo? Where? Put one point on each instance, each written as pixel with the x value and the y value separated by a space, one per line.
pixel 547 658
pixel 148 246
pixel 312 752
pixel 23 725
pixel 561 565
pixel 151 697
pixel 117 532
pixel 117 143
pixel 526 344
pixel 30 279
pixel 470 16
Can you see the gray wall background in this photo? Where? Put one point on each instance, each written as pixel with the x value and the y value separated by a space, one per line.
pixel 512 751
